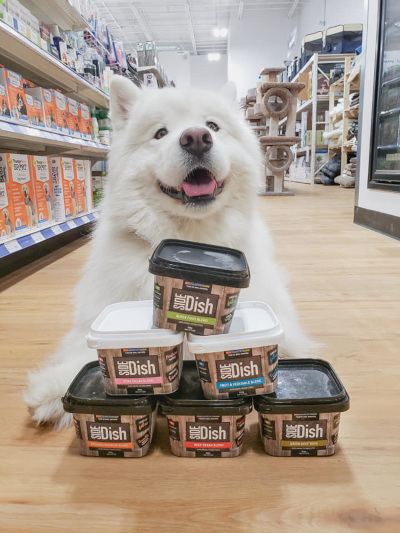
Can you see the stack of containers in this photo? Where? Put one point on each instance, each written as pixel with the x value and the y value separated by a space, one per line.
pixel 235 346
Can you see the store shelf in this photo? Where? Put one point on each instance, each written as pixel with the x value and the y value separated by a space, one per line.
pixel 305 106
pixel 23 56
pixel 155 71
pixel 59 12
pixel 41 141
pixel 322 58
pixel 24 249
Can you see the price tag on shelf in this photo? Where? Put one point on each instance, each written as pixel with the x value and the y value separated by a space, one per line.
pixel 85 219
pixel 13 246
pixel 71 224
pixel 56 230
pixel 37 237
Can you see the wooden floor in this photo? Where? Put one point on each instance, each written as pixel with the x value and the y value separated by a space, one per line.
pixel 346 284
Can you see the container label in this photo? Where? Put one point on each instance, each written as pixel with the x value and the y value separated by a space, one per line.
pixel 173 429
pixel 303 434
pixel 207 435
pixel 143 423
pixel 268 428
pixel 239 372
pixel 158 298
pixel 78 430
pixel 231 300
pixel 204 371
pixel 172 356
pixel 143 440
pixel 104 367
pixel 193 307
pixel 137 368
pixel 273 355
pixel 108 435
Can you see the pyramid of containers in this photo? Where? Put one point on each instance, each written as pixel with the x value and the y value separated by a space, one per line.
pixel 141 368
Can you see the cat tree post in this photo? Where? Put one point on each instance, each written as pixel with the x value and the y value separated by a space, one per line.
pixel 279 101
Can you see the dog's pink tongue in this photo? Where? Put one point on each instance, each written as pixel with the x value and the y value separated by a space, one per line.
pixel 199 189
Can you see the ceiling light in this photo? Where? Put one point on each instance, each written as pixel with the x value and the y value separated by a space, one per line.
pixel 217 32
pixel 224 32
pixel 213 57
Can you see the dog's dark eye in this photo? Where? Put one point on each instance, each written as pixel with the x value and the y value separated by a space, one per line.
pixel 162 132
pixel 212 126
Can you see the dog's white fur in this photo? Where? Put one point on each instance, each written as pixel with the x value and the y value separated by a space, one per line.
pixel 137 215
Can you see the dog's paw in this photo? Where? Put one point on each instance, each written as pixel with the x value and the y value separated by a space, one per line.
pixel 45 390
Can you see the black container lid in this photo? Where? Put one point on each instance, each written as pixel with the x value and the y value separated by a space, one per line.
pixel 199 262
pixel 189 398
pixel 86 395
pixel 305 386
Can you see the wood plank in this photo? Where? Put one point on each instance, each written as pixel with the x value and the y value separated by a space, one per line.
pixel 345 283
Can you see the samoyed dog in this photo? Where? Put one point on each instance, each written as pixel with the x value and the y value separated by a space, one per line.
pixel 184 165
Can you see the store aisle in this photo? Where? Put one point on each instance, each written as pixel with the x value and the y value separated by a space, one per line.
pixel 346 286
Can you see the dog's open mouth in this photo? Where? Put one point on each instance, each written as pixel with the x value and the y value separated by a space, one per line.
pixel 200 187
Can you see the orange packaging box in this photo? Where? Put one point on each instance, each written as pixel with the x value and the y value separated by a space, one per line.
pixel 7 221
pixel 40 172
pixel 63 183
pixel 48 106
pixel 88 185
pixel 16 94
pixel 5 112
pixel 84 120
pixel 73 118
pixel 15 168
pixel 80 186
pixel 61 110
pixel 34 110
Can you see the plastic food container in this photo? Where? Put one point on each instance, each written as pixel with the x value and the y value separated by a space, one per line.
pixel 203 428
pixel 109 427
pixel 197 286
pixel 135 358
pixel 302 416
pixel 243 361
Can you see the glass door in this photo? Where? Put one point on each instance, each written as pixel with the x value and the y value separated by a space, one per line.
pixel 386 136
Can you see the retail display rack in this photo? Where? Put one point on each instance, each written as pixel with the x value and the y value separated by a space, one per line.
pixel 21 55
pixel 317 68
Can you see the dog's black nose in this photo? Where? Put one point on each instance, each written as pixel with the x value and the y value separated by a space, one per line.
pixel 196 141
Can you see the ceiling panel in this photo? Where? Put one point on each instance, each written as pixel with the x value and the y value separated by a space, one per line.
pixel 182 24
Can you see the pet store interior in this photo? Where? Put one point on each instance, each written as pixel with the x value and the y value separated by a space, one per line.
pixel 318 99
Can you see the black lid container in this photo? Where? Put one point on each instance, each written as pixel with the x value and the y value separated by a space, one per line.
pixel 203 428
pixel 109 426
pixel 197 286
pixel 302 416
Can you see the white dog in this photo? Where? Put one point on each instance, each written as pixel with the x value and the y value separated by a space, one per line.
pixel 183 165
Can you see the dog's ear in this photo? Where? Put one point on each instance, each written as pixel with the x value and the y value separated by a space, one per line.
pixel 229 91
pixel 123 95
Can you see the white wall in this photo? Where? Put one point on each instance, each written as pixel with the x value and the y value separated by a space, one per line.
pixel 256 42
pixel 206 74
pixel 381 201
pixel 195 71
pixel 310 18
pixel 176 67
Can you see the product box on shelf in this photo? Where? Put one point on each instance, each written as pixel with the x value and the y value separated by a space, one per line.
pixel 14 169
pixel 88 184
pixel 5 112
pixel 13 9
pixel 85 120
pixel 62 179
pixel 61 112
pixel 48 106
pixel 80 186
pixel 16 94
pixel 7 221
pixel 25 21
pixel 34 109
pixel 73 117
pixel 40 173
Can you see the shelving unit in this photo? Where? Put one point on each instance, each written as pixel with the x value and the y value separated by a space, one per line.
pixel 23 56
pixel 29 246
pixel 315 66
pixel 349 82
pixel 26 58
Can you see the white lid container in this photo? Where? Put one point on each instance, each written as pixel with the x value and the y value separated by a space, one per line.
pixel 129 325
pixel 254 324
